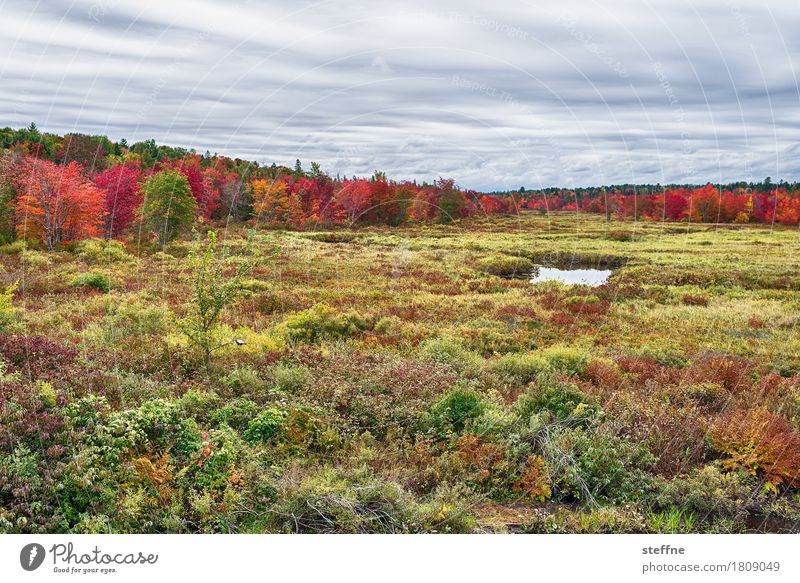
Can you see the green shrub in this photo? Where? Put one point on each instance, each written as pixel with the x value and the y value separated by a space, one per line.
pixel 47 394
pixel 93 279
pixel 711 492
pixel 506 266
pixel 523 367
pixel 199 405
pixel 526 367
pixel 242 414
pixel 243 380
pixel 332 500
pixel 14 248
pixel 130 317
pixel 290 379
pixel 102 251
pixel 599 464
pixel 266 426
pixel 565 359
pixel 450 352
pixel 320 322
pixel 455 409
pixel 563 401
pixel 7 310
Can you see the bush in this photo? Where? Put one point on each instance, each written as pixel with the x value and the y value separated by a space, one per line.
pixel 240 414
pixel 450 352
pixel 93 279
pixel 563 401
pixel 7 311
pixel 290 379
pixel 526 367
pixel 710 491
pixel 330 500
pixel 320 322
pixel 455 409
pixel 523 368
pixel 102 251
pixel 759 442
pixel 266 426
pixel 129 317
pixel 292 430
pixel 598 464
pixel 506 266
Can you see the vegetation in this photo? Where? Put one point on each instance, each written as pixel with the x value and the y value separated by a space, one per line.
pixel 309 367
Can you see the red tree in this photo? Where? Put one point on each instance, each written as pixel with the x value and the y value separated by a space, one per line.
pixel 123 197
pixel 58 204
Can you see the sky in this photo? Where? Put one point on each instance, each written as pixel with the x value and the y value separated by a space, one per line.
pixel 496 94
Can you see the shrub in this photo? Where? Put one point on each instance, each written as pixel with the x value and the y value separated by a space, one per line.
pixel 240 414
pixel 694 300
pixel 599 464
pixel 622 236
pixel 331 500
pixel 450 352
pixel 292 430
pixel 710 491
pixel 290 379
pixel 15 247
pixel 318 323
pixel 7 311
pixel 455 409
pixel 759 442
pixel 565 359
pixel 563 401
pixel 93 279
pixel 523 367
pixel 526 367
pixel 130 317
pixel 266 426
pixel 102 251
pixel 506 266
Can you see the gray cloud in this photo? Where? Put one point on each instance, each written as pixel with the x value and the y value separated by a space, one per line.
pixel 494 94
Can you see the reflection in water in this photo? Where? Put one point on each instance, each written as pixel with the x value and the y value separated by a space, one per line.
pixel 590 277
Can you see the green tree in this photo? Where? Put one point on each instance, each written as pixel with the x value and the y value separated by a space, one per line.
pixel 217 283
pixel 168 205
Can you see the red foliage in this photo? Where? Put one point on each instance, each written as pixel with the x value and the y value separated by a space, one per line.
pixel 123 197
pixel 57 204
pixel 761 443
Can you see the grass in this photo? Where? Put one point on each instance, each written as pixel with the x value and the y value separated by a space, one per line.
pixel 399 380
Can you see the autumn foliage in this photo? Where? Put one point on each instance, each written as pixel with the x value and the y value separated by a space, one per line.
pixel 62 188
pixel 761 443
pixel 58 204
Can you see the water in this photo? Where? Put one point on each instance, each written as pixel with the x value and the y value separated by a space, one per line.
pixel 590 277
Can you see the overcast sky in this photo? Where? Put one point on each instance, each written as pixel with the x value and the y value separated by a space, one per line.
pixel 495 94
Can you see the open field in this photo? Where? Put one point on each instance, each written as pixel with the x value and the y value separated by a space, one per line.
pixel 410 379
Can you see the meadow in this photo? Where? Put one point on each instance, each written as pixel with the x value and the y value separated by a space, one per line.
pixel 405 379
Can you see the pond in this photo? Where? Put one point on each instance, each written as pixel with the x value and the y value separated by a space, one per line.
pixel 590 277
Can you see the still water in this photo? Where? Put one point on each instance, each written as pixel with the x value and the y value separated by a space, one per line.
pixel 590 277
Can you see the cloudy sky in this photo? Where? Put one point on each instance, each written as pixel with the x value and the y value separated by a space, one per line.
pixel 495 94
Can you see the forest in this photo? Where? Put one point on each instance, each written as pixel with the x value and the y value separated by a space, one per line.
pixel 194 343
pixel 56 189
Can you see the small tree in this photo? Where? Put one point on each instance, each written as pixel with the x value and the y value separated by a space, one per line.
pixel 217 283
pixel 168 205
